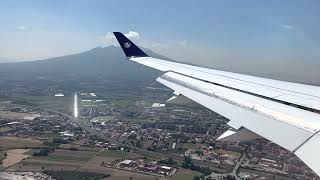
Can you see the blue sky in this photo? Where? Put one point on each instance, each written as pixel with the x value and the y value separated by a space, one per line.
pixel 226 34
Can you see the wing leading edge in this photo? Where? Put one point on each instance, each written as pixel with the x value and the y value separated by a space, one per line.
pixel 283 112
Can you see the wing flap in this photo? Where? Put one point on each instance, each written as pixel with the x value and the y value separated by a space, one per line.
pixel 278 90
pixel 309 153
pixel 268 119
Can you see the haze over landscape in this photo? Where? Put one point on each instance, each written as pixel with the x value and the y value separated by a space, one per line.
pixel 95 89
pixel 246 37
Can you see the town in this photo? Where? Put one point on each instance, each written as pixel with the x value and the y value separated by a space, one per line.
pixel 147 138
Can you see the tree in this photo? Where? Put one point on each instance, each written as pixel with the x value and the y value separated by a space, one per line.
pixel 169 161
pixel 196 177
pixel 138 144
pixel 229 177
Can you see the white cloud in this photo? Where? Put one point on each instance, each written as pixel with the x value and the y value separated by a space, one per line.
pixel 21 28
pixel 109 36
pixel 287 26
pixel 110 39
pixel 132 35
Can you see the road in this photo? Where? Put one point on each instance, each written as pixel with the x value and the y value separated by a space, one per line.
pixel 233 173
pixel 144 152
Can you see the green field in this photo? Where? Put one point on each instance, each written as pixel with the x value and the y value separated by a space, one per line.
pixel 190 146
pixel 16 143
pixel 120 154
pixel 5 129
pixel 63 158
pixel 50 135
pixel 2 156
pixel 49 102
pixel 185 176
pixel 75 175
pixel 67 156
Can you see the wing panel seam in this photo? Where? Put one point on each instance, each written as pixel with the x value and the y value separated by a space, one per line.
pixel 161 63
pixel 252 109
pixel 254 94
pixel 304 142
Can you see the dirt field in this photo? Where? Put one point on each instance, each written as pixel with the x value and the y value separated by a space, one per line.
pixel 14 156
pixel 15 142
pixel 16 115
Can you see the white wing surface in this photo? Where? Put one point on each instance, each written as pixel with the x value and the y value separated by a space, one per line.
pixel 285 113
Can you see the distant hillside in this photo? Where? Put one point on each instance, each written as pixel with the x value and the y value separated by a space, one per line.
pixel 99 63
pixel 5 60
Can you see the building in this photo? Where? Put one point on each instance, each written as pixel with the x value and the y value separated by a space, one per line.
pixel 126 163
pixel 148 168
pixel 166 168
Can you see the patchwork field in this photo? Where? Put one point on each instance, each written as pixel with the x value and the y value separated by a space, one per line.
pixel 16 143
pixel 13 115
pixel 80 161
pixel 72 175
pixel 94 166
pixel 190 146
pixel 14 156
pixel 118 154
pixel 67 156
pixel 185 174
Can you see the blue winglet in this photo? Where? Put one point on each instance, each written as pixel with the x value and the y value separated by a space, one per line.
pixel 129 48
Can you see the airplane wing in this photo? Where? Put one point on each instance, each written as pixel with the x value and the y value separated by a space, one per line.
pixel 285 113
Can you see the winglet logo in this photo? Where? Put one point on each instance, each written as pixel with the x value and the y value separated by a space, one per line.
pixel 127 45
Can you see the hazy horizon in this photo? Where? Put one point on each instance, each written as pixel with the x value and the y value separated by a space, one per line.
pixel 275 39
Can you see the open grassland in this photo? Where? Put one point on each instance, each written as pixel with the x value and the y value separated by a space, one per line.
pixel 40 165
pixel 16 143
pixel 64 104
pixel 75 175
pixel 185 174
pixel 13 115
pixel 2 156
pixel 118 154
pixel 190 146
pixel 80 161
pixel 67 156
pixel 5 129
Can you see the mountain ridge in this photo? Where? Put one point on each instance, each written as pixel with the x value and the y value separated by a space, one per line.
pixel 97 63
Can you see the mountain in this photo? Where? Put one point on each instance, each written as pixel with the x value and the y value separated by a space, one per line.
pixel 108 63
pixel 6 60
